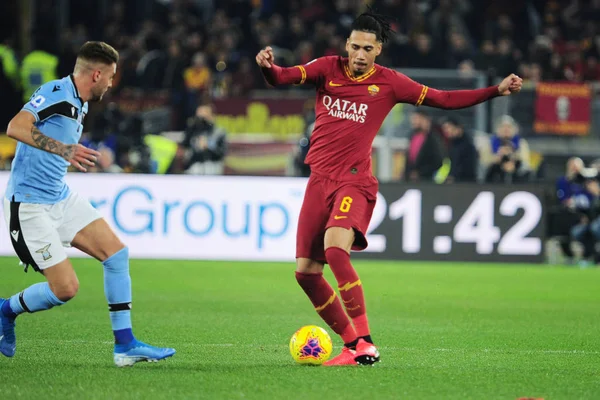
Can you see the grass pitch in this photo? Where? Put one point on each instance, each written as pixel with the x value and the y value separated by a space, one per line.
pixel 445 331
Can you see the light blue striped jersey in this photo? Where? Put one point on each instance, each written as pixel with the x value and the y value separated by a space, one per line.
pixel 36 175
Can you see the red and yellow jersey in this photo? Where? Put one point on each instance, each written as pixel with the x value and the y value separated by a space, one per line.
pixel 350 110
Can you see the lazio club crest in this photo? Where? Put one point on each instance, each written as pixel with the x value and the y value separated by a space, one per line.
pixel 45 253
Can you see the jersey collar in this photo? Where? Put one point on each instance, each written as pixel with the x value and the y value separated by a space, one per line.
pixel 360 78
pixel 75 88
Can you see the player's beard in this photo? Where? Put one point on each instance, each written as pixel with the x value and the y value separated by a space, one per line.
pixel 97 96
pixel 359 69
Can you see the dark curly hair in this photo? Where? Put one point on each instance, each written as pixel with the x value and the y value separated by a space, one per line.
pixel 373 23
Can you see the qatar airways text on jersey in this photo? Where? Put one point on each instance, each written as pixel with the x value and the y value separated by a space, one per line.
pixel 345 109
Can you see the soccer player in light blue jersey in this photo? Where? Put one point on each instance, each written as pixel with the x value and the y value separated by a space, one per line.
pixel 43 214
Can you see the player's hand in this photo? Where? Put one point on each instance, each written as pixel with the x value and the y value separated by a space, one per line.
pixel 265 57
pixel 511 84
pixel 80 156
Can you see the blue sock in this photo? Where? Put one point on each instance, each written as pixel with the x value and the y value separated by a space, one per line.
pixel 36 297
pixel 117 288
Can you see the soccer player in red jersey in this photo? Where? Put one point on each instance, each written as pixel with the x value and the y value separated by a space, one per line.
pixel 354 95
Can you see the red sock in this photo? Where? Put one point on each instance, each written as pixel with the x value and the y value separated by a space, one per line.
pixel 350 288
pixel 327 304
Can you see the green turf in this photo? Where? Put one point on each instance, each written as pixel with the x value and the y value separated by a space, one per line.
pixel 445 331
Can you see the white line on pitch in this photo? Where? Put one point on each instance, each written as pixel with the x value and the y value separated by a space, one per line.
pixel 411 349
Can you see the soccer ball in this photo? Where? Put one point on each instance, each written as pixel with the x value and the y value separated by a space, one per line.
pixel 311 345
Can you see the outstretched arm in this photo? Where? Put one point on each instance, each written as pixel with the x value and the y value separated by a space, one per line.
pixel 298 75
pixel 277 75
pixel 274 74
pixel 409 91
pixel 456 99
pixel 22 128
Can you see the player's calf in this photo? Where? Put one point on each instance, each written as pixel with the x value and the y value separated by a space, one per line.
pixel 98 240
pixel 38 297
pixel 62 286
pixel 117 288
pixel 117 285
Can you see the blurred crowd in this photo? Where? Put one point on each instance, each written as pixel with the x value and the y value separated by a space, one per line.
pixel 208 47
pixel 199 49
pixel 196 51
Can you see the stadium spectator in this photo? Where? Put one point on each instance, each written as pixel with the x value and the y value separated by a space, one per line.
pixel 509 161
pixel 134 153
pixel 197 79
pixel 425 151
pixel 206 144
pixel 587 230
pixel 245 79
pixel 485 60
pixel 127 71
pixel 462 152
pixel 37 68
pixel 535 73
pixel 556 69
pixel 506 59
pixel 119 137
pixel 104 137
pixel 106 162
pixel 569 186
pixel 423 54
pixel 301 151
pixel 173 79
pixel 501 27
pixel 297 32
pixel 466 71
pixel 459 50
pixel 571 196
pixel 446 20
pixel 71 41
pixel 591 69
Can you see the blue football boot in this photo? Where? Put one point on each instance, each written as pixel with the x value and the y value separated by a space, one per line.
pixel 127 355
pixel 8 340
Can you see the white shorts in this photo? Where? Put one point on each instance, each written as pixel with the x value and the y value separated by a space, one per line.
pixel 39 232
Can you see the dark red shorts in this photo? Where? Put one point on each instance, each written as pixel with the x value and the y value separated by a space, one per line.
pixel 329 203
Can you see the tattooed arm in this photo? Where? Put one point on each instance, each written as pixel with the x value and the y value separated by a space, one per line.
pixel 50 145
pixel 22 128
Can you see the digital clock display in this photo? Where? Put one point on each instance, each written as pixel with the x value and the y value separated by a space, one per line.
pixel 458 222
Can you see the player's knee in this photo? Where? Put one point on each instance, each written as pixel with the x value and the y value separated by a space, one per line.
pixel 339 237
pixel 62 280
pixel 115 248
pixel 66 290
pixel 308 266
